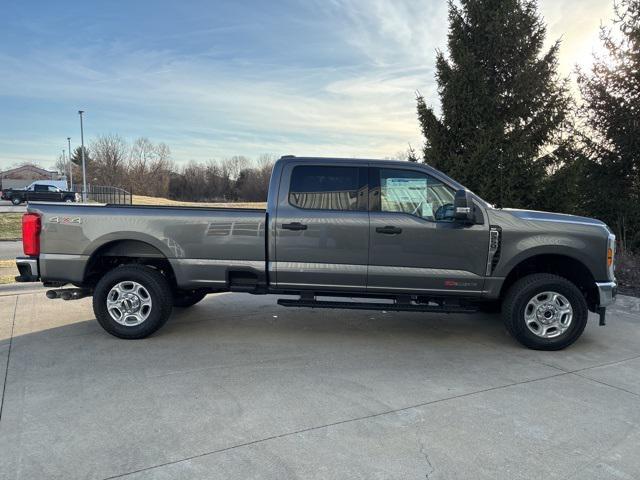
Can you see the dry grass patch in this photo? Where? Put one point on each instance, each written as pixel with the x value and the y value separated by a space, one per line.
pixel 143 200
pixel 10 226
pixel 8 271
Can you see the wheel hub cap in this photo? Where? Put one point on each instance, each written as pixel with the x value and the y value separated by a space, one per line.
pixel 548 314
pixel 129 303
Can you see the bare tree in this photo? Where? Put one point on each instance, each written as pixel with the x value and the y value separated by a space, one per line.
pixel 110 154
pixel 150 168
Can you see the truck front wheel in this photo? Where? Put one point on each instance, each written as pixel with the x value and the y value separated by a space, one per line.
pixel 16 200
pixel 545 312
pixel 132 301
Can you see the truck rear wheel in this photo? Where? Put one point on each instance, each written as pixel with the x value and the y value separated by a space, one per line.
pixel 132 301
pixel 545 312
pixel 16 200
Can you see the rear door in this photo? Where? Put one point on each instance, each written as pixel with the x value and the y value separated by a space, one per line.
pixel 322 227
pixel 415 244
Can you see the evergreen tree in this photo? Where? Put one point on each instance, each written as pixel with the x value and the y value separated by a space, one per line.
pixel 76 156
pixel 502 102
pixel 611 110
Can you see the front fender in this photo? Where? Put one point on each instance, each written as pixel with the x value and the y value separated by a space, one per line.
pixel 513 255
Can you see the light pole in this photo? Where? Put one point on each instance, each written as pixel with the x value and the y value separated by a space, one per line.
pixel 84 166
pixel 70 164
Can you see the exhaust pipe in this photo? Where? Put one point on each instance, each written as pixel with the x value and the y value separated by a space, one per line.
pixel 68 293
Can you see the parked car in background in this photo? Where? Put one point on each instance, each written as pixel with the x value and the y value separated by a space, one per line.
pixel 397 236
pixel 38 192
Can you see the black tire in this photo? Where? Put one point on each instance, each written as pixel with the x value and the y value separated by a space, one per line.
pixel 16 200
pixel 521 292
pixel 158 289
pixel 69 199
pixel 184 299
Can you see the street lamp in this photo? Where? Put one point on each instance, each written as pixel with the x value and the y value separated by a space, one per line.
pixel 70 164
pixel 84 166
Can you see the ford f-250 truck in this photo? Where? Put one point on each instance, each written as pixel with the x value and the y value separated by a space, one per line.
pixel 336 233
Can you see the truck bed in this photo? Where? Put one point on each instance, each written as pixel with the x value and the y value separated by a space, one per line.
pixel 202 244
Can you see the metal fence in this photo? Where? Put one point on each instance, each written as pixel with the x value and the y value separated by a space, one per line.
pixel 104 194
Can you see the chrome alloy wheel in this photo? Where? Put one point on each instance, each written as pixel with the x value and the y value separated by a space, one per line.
pixel 548 314
pixel 129 303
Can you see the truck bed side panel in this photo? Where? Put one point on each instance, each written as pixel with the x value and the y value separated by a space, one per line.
pixel 202 244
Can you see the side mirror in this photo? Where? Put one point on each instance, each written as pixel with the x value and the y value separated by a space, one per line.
pixel 463 205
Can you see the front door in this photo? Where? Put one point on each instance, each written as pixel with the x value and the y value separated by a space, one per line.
pixel 322 227
pixel 415 244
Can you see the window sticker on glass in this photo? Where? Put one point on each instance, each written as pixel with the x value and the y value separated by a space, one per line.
pixel 403 194
pixel 427 210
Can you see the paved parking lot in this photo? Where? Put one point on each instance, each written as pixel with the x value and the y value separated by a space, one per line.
pixel 239 388
pixel 7 207
pixel 10 249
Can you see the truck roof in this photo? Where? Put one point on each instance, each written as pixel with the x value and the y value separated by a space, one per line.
pixel 390 163
pixel 346 159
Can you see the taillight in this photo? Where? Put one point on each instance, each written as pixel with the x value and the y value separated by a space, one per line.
pixel 31 234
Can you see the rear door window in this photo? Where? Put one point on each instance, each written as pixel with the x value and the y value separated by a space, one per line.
pixel 328 188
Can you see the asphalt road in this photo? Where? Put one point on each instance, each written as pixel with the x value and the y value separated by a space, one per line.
pixel 239 388
pixel 8 207
pixel 10 250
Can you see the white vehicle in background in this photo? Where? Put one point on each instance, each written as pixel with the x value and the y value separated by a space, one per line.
pixel 61 184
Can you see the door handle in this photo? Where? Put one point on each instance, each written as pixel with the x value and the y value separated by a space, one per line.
pixel 389 230
pixel 294 226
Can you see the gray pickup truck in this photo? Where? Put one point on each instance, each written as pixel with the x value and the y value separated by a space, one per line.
pixel 336 233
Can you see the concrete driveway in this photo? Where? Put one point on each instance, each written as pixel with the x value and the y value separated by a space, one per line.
pixel 239 388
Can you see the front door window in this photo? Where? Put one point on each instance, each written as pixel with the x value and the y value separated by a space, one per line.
pixel 415 193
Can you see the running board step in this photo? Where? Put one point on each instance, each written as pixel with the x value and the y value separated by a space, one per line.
pixel 400 307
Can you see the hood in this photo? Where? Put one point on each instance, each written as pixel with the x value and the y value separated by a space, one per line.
pixel 554 217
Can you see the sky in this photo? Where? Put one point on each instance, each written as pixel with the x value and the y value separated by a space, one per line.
pixel 213 79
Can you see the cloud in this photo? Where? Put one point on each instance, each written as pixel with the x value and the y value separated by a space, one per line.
pixel 339 80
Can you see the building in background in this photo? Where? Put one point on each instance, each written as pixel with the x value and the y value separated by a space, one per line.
pixel 23 175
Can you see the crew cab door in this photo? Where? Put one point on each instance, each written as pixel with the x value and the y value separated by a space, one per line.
pixel 322 227
pixel 415 244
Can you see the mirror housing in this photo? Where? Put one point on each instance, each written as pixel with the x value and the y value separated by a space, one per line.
pixel 464 210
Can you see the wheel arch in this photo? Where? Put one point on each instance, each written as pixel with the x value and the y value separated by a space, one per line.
pixel 114 253
pixel 561 264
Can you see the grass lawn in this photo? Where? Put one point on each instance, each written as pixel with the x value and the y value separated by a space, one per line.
pixel 143 200
pixel 8 271
pixel 10 226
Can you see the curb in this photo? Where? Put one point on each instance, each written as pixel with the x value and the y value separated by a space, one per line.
pixel 10 289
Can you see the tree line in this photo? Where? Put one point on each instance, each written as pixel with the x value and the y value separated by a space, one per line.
pixel 511 129
pixel 146 168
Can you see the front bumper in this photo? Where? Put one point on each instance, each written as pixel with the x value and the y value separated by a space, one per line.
pixel 607 292
pixel 28 268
